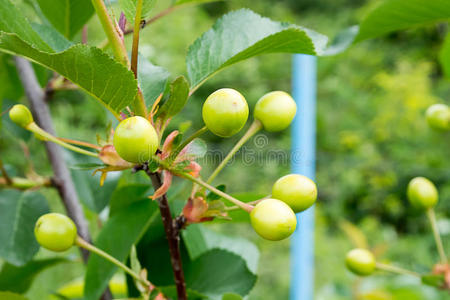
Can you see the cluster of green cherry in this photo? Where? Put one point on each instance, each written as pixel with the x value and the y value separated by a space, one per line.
pixel 423 195
pixel 225 112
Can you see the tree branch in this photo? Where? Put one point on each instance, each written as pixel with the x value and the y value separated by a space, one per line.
pixel 172 229
pixel 62 179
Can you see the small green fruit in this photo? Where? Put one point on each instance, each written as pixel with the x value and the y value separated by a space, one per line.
pixel 360 261
pixel 422 193
pixel 438 116
pixel 297 191
pixel 273 219
pixel 21 115
pixel 275 110
pixel 135 140
pixel 225 112
pixel 55 232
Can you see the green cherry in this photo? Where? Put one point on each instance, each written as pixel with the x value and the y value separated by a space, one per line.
pixel 55 232
pixel 225 112
pixel 422 193
pixel 21 115
pixel 135 140
pixel 438 116
pixel 360 261
pixel 275 110
pixel 297 191
pixel 273 219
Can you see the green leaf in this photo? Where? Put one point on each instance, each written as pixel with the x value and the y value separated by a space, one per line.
pixel 11 296
pixel 67 16
pixel 12 21
pixel 444 56
pixel 218 272
pixel 395 15
pixel 212 196
pixel 242 34
pixel 436 280
pixel 152 79
pixel 199 240
pixel 196 149
pixel 88 67
pixel 180 2
pixel 11 86
pixel 19 212
pixel 177 99
pixel 129 9
pixel 118 235
pixel 19 279
pixel 231 296
pixel 126 195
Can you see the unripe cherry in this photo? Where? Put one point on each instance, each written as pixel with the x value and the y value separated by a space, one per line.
pixel 360 261
pixel 275 110
pixel 297 191
pixel 225 112
pixel 135 140
pixel 273 219
pixel 438 116
pixel 55 232
pixel 422 193
pixel 21 115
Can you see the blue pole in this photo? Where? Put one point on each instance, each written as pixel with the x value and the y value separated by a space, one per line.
pixel 303 158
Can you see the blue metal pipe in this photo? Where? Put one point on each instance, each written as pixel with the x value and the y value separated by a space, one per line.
pixel 303 156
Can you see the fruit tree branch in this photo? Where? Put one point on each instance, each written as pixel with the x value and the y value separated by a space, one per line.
pixel 172 229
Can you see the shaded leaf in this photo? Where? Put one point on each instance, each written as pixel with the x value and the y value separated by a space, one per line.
pixel 12 20
pixel 126 195
pixel 115 86
pixel 67 16
pixel 395 15
pixel 436 280
pixel 117 236
pixel 218 272
pixel 152 79
pixel 177 99
pixel 18 214
pixel 242 34
pixel 52 37
pixel 212 196
pixel 19 279
pixel 199 240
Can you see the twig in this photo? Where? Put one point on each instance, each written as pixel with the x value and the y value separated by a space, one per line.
pixel 62 179
pixel 155 18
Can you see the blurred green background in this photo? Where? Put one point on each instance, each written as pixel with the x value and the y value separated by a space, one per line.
pixel 372 138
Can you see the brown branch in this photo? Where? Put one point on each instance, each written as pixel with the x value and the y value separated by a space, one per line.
pixel 62 179
pixel 172 229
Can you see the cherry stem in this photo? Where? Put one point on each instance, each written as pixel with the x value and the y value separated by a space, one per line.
pixel 80 143
pixel 85 245
pixel 33 127
pixel 229 208
pixel 252 130
pixel 245 206
pixel 192 137
pixel 397 270
pixel 437 237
